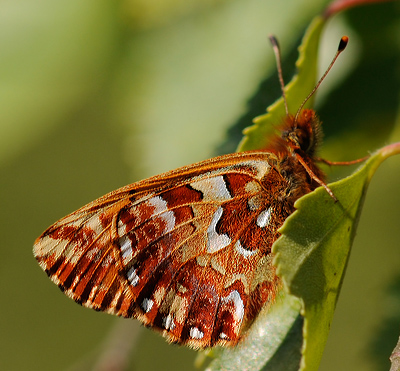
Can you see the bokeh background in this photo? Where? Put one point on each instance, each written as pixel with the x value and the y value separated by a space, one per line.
pixel 98 94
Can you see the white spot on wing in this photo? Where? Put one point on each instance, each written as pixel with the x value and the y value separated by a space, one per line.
pixel 263 218
pixel 216 241
pixel 126 248
pixel 161 209
pixel 159 204
pixel 132 276
pixel 213 188
pixel 147 304
pixel 168 323
pixel 234 297
pixel 242 251
pixel 169 219
pixel 195 333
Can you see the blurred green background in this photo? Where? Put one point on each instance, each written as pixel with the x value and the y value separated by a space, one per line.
pixel 97 94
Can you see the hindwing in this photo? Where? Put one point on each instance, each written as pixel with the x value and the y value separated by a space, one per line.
pixel 187 252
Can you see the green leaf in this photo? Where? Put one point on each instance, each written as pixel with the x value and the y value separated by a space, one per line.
pixel 313 251
pixel 258 135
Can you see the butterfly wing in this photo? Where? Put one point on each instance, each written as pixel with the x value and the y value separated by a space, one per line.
pixel 187 252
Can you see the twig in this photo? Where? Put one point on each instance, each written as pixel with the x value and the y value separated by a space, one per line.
pixel 116 350
pixel 395 358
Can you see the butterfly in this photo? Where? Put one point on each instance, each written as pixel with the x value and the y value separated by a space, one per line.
pixel 188 252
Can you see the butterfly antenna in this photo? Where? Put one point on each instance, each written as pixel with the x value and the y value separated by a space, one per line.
pixel 342 45
pixel 277 52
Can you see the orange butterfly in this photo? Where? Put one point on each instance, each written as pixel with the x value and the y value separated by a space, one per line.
pixel 188 252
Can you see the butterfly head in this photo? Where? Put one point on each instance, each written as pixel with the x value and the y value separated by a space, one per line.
pixel 303 134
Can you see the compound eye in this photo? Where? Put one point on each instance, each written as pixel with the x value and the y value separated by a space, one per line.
pixel 304 139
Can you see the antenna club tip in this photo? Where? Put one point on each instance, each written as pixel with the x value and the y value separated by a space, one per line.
pixel 343 43
pixel 273 40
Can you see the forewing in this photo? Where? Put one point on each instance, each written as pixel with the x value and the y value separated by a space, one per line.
pixel 187 252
